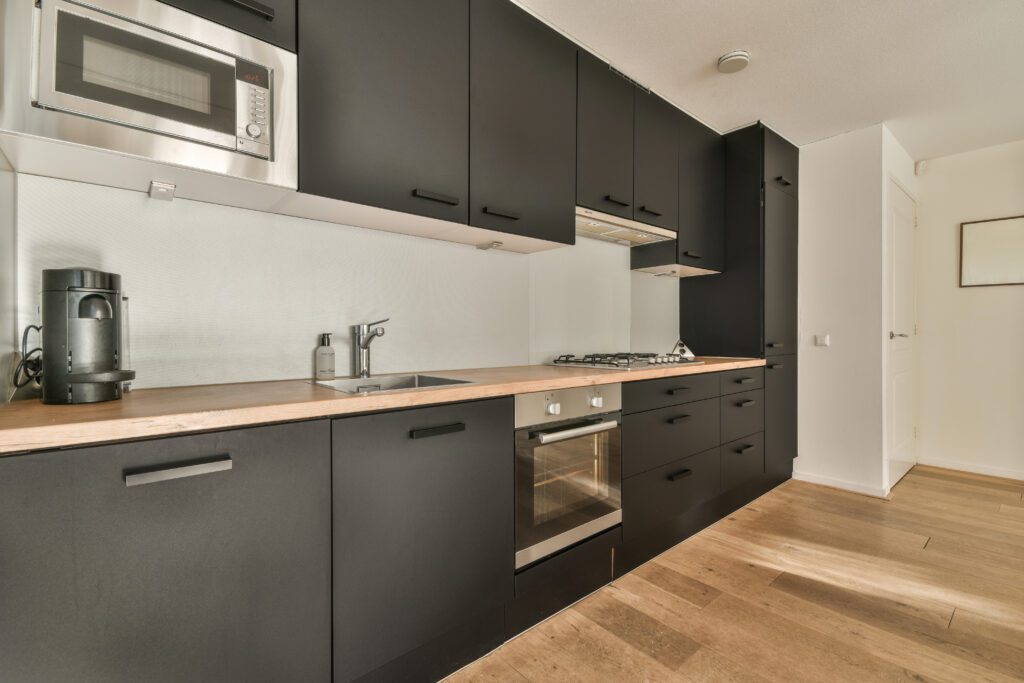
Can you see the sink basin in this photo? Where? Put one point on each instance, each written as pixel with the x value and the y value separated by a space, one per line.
pixel 389 383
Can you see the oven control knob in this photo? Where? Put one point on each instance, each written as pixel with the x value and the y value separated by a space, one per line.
pixel 554 409
pixel 597 401
pixel 253 130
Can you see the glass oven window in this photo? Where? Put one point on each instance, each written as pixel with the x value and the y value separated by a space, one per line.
pixel 563 485
pixel 114 66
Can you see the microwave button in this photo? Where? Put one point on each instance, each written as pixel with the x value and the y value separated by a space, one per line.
pixel 254 130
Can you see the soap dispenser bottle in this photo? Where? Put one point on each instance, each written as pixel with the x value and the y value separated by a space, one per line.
pixel 324 358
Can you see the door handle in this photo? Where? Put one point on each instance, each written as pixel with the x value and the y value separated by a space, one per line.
pixel 152 476
pixel 615 200
pixel 774 345
pixel 744 448
pixel 744 380
pixel 893 335
pixel 678 419
pixel 680 475
pixel 693 255
pixel 255 7
pixel 437 431
pixel 555 437
pixel 783 180
pixel 678 390
pixel 502 213
pixel 436 197
pixel 647 209
pixel 745 404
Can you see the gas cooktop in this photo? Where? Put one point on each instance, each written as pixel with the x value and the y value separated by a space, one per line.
pixel 624 361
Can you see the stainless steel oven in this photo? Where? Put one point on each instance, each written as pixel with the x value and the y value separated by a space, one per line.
pixel 178 87
pixel 568 468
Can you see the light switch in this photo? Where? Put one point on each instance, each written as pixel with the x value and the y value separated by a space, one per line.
pixel 822 340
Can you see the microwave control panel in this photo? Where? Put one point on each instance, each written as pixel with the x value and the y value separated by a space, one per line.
pixel 252 109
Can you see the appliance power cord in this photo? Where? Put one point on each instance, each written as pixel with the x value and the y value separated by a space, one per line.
pixel 30 366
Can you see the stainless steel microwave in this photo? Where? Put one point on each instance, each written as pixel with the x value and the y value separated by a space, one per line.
pixel 192 92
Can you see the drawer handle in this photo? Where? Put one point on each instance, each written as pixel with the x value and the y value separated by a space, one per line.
pixel 678 419
pixel 774 345
pixel 692 254
pixel 615 200
pixel 746 404
pixel 678 390
pixel 783 180
pixel 152 476
pixel 255 7
pixel 502 213
pixel 680 475
pixel 436 197
pixel 744 448
pixel 427 432
pixel 647 209
pixel 744 380
pixel 776 366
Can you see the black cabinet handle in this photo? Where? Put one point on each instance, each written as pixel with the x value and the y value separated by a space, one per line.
pixel 647 209
pixel 774 345
pixel 152 475
pixel 678 390
pixel 746 404
pixel 690 254
pixel 678 419
pixel 744 448
pixel 783 180
pixel 744 380
pixel 436 197
pixel 255 7
pixel 437 431
pixel 680 475
pixel 777 365
pixel 615 200
pixel 511 215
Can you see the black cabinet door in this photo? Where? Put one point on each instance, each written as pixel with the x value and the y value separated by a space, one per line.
pixel 423 516
pixel 604 138
pixel 781 163
pixel 522 117
pixel 272 21
pixel 113 571
pixel 383 104
pixel 656 164
pixel 780 272
pixel 701 233
pixel 780 415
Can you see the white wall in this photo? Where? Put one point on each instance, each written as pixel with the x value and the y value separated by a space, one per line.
pixel 971 340
pixel 840 292
pixel 220 294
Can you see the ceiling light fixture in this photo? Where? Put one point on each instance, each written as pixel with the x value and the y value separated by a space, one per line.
pixel 734 61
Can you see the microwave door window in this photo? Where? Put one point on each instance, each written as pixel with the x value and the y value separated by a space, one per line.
pixel 131 72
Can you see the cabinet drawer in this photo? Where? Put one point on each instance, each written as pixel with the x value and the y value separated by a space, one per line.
pixel 670 391
pixel 656 497
pixel 656 437
pixel 742 460
pixel 742 414
pixel 747 379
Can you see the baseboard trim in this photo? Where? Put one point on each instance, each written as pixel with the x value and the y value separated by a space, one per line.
pixel 841 484
pixel 973 468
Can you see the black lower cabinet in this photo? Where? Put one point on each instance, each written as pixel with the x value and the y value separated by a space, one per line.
pixel 193 558
pixel 780 416
pixel 423 539
pixel 559 581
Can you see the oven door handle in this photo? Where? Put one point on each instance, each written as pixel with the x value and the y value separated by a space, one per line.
pixel 573 432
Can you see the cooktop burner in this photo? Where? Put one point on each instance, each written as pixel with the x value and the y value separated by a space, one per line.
pixel 624 361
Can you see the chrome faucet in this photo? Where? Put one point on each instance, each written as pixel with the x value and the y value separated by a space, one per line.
pixel 363 335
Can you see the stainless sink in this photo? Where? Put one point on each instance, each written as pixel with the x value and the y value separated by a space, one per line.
pixel 389 383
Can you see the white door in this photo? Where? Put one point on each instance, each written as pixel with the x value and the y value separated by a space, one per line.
pixel 900 404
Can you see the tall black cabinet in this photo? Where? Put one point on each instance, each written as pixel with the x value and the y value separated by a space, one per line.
pixel 751 308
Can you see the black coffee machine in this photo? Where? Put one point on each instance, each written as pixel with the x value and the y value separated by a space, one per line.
pixel 82 336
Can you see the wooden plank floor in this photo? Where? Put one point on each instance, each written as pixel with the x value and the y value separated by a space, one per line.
pixel 812 584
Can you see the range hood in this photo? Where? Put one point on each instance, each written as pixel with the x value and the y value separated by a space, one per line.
pixel 663 259
pixel 609 228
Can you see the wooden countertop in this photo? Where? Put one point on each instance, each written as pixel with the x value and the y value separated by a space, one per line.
pixel 31 425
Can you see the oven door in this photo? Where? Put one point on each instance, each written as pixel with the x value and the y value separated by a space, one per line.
pixel 106 67
pixel 568 485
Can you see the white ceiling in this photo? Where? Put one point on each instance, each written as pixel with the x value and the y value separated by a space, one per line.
pixel 947 76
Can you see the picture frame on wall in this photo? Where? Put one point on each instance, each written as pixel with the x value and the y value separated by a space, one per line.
pixel 992 252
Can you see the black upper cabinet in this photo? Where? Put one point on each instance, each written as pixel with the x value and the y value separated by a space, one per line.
pixel 192 558
pixel 383 104
pixel 604 133
pixel 781 163
pixel 700 237
pixel 272 21
pixel 780 271
pixel 423 515
pixel 522 141
pixel 656 161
